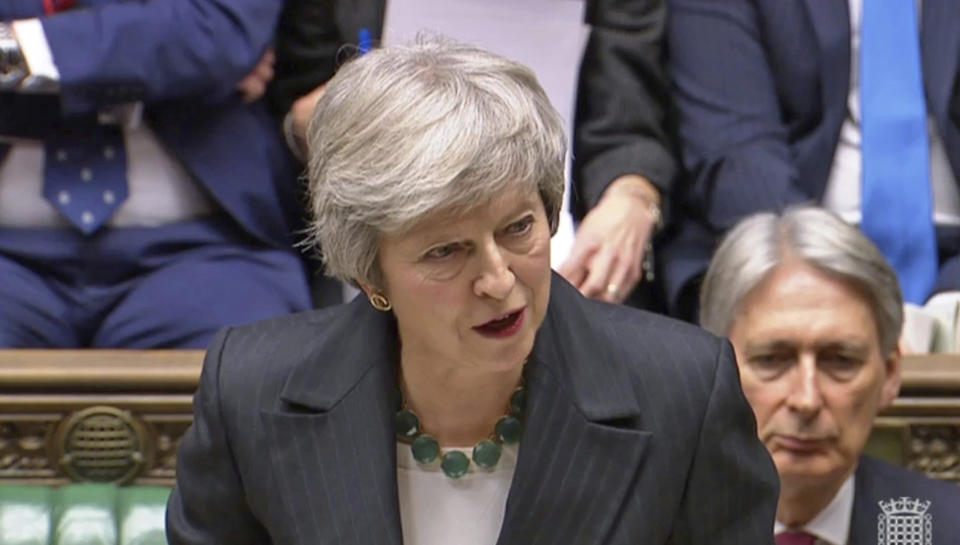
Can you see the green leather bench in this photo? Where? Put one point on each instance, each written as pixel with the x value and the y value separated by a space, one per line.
pixel 82 514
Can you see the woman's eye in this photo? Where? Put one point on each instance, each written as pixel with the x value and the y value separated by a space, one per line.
pixel 519 227
pixel 441 252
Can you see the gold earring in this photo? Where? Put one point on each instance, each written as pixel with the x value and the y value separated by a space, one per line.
pixel 380 302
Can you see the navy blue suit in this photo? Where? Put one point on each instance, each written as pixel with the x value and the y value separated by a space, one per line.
pixel 762 88
pixel 878 482
pixel 182 59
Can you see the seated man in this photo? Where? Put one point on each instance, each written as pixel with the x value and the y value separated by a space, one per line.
pixel 814 312
pixel 143 203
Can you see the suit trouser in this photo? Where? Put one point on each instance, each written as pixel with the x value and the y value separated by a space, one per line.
pixel 172 286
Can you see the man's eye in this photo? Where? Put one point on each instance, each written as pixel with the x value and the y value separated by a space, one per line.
pixel 770 365
pixel 520 227
pixel 840 365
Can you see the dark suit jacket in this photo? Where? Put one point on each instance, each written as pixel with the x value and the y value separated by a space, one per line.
pixel 878 481
pixel 314 37
pixel 761 87
pixel 636 431
pixel 183 59
pixel 623 100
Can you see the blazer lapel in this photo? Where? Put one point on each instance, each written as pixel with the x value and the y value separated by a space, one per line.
pixel 863 520
pixel 579 454
pixel 332 443
pixel 940 48
pixel 831 24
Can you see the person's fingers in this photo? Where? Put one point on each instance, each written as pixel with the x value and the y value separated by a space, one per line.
pixel 574 268
pixel 600 266
pixel 265 72
pixel 255 90
pixel 247 89
pixel 620 282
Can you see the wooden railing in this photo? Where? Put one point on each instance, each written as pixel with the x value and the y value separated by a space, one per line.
pixel 110 415
pixel 118 415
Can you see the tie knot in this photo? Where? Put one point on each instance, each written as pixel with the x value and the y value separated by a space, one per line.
pixel 795 538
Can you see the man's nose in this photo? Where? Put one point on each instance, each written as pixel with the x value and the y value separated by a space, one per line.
pixel 806 397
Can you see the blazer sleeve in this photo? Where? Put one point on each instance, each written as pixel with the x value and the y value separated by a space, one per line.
pixel 733 141
pixel 159 50
pixel 308 39
pixel 207 505
pixel 623 99
pixel 732 488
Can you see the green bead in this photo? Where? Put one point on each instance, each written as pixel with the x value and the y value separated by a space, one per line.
pixel 518 402
pixel 455 464
pixel 425 449
pixel 508 429
pixel 486 454
pixel 407 423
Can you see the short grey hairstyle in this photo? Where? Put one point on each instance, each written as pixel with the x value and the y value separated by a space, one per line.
pixel 407 131
pixel 759 243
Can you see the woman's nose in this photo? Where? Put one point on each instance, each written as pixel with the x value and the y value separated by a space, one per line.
pixel 496 280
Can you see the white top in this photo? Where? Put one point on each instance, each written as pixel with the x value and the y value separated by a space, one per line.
pixel 843 189
pixel 438 510
pixel 832 525
pixel 160 191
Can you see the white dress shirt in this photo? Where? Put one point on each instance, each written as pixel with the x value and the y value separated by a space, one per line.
pixel 438 510
pixel 843 189
pixel 832 525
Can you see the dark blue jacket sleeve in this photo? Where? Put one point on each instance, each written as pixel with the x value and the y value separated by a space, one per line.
pixel 159 50
pixel 734 143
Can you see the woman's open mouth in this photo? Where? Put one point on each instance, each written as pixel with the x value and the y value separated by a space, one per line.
pixel 503 326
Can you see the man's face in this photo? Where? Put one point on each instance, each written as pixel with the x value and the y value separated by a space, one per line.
pixel 812 369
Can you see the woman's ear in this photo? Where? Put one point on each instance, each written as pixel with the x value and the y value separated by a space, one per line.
pixel 366 288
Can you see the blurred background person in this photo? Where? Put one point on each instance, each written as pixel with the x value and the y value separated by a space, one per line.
pixel 843 103
pixel 143 203
pixel 814 312
pixel 436 177
pixel 623 159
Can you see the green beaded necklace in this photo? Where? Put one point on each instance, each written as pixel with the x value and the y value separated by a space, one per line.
pixel 455 464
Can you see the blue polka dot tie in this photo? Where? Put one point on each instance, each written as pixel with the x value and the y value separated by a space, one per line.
pixel 897 198
pixel 85 173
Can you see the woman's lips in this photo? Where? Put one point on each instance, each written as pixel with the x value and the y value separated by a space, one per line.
pixel 503 326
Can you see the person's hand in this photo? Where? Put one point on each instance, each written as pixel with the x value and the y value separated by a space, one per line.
pixel 254 86
pixel 605 262
pixel 302 111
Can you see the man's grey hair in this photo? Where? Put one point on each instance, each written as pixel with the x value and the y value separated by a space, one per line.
pixel 759 243
pixel 407 131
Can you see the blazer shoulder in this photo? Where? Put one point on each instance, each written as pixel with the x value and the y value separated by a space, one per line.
pixel 659 336
pixel 260 356
pixel 886 482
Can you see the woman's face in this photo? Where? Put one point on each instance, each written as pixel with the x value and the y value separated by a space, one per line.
pixel 471 290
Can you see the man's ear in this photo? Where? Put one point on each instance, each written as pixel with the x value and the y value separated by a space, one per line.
pixel 891 383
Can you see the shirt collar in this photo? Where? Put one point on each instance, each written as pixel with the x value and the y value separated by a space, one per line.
pixel 832 524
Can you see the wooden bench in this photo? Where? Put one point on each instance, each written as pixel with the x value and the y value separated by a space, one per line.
pixel 98 415
pixel 118 415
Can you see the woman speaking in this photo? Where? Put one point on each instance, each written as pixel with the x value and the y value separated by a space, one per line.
pixel 470 396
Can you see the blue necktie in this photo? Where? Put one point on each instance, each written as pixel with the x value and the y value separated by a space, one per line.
pixel 897 199
pixel 85 173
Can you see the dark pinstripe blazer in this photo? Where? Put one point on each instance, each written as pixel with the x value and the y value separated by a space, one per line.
pixel 636 432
